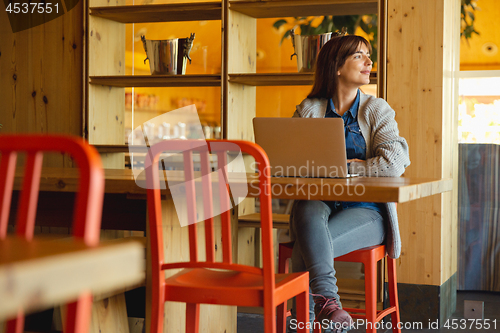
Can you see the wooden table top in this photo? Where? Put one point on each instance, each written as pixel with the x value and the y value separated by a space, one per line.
pixel 367 189
pixel 45 272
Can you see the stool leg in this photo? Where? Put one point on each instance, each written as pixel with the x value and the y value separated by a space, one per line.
pixel 371 295
pixel 303 310
pixel 393 293
pixel 282 308
pixel 16 325
pixel 192 317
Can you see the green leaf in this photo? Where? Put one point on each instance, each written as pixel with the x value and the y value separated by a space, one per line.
pixel 364 27
pixel 305 29
pixel 277 25
pixel 285 36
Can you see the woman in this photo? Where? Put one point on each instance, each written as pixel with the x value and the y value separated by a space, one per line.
pixel 323 230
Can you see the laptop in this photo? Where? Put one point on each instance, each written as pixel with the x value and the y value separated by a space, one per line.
pixel 303 147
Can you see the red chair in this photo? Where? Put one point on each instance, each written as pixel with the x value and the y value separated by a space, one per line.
pixel 369 256
pixel 210 281
pixel 88 206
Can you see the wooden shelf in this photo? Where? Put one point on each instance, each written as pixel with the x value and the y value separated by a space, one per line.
pixel 211 80
pixel 295 8
pixel 280 79
pixel 121 148
pixel 160 13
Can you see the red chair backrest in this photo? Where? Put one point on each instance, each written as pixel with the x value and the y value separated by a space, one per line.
pixel 205 148
pixel 88 207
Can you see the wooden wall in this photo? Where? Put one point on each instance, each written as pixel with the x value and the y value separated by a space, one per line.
pixel 423 49
pixel 41 77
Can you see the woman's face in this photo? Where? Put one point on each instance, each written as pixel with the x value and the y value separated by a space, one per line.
pixel 356 70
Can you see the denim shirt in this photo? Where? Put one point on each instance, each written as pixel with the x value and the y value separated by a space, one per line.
pixel 354 142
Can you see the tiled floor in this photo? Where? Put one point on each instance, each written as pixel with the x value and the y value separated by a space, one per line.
pixel 252 323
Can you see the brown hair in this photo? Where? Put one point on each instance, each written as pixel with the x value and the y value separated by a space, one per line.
pixel 331 58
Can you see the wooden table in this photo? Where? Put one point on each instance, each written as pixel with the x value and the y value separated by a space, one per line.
pixel 46 272
pixel 367 189
pixel 125 209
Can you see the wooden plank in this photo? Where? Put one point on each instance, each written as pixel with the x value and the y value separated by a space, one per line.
pixel 381 79
pixel 160 12
pixel 240 52
pixel 208 80
pixel 109 315
pixel 106 105
pixel 295 8
pixel 280 79
pixel 280 221
pixel 42 273
pixel 452 65
pixel 224 89
pixel 136 325
pixel 121 148
pixel 241 99
pixel 41 81
pixel 420 84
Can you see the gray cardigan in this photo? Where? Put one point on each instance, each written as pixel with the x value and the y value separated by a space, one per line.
pixel 386 152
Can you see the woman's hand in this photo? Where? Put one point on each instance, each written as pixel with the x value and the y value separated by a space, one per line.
pixel 354 160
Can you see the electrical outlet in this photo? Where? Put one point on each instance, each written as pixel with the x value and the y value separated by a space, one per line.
pixel 473 309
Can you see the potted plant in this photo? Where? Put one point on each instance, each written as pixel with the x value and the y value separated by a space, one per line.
pixel 315 25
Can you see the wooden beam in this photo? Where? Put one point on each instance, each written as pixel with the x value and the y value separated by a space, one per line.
pixel 294 8
pixel 212 80
pixel 280 79
pixel 160 12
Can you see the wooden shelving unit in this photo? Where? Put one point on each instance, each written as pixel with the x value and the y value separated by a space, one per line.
pixel 238 78
pixel 204 11
pixel 238 23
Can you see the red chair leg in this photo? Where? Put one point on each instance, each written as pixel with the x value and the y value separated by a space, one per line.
pixel 393 293
pixel 79 314
pixel 281 318
pixel 282 308
pixel 16 325
pixel 285 253
pixel 269 319
pixel 371 295
pixel 157 312
pixel 192 317
pixel 303 312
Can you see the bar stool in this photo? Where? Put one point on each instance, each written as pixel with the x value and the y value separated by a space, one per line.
pixel 368 256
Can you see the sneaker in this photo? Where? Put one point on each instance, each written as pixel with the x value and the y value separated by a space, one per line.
pixel 328 308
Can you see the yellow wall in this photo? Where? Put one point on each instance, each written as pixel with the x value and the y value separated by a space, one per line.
pixel 474 54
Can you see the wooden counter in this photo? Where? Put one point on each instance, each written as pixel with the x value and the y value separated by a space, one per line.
pixel 45 272
pixel 368 189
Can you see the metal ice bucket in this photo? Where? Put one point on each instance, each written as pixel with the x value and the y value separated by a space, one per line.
pixel 306 49
pixel 169 56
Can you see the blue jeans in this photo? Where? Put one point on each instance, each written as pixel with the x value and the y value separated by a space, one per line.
pixel 323 230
